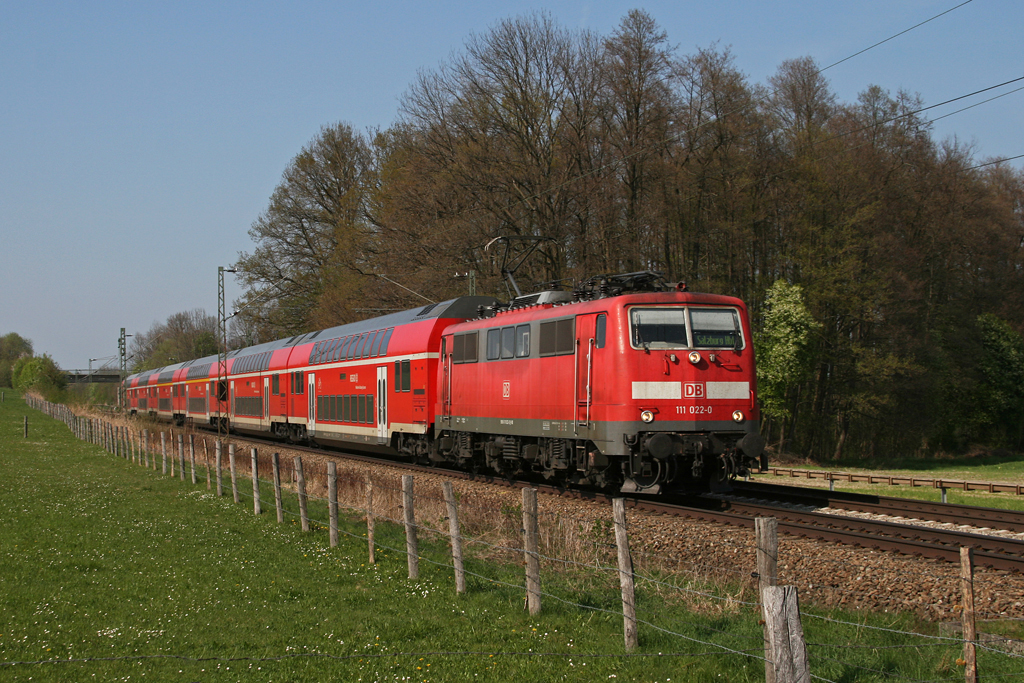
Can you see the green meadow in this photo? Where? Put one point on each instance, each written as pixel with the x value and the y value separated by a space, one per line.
pixel 109 571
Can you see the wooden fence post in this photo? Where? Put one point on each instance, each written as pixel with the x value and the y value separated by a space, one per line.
pixel 145 446
pixel 332 500
pixel 234 472
pixel 300 484
pixel 766 542
pixel 456 536
pixel 206 458
pixel 163 451
pixel 220 482
pixel 275 464
pixel 967 616
pixel 369 519
pixel 181 456
pixel 26 426
pixel 530 535
pixel 255 484
pixel 629 630
pixel 411 540
pixel 192 456
pixel 786 634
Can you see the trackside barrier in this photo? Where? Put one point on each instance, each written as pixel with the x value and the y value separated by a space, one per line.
pixel 893 480
pixel 783 648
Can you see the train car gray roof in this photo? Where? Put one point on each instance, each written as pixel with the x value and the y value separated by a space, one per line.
pixel 461 307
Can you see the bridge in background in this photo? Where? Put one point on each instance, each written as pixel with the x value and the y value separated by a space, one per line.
pixel 97 376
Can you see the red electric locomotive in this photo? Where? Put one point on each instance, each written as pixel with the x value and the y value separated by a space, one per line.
pixel 626 383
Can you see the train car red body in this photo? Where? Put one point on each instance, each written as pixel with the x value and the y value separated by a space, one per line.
pixel 625 384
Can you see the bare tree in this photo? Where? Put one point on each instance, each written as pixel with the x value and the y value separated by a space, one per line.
pixel 311 233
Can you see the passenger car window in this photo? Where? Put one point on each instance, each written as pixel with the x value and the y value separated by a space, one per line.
pixel 376 343
pixel 384 344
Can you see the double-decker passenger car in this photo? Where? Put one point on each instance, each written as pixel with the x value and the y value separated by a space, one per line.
pixel 624 383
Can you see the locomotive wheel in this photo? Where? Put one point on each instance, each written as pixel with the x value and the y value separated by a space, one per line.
pixel 652 480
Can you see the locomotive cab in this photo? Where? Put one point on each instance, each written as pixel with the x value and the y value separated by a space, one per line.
pixel 692 393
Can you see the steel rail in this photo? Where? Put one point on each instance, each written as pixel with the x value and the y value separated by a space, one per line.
pixel 968 515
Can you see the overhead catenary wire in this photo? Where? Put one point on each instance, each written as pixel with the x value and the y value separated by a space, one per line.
pixel 997 161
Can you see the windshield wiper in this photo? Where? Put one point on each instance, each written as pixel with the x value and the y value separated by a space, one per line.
pixel 640 340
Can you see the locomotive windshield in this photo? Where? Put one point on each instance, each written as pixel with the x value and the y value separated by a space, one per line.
pixel 660 328
pixel 716 328
pixel 677 328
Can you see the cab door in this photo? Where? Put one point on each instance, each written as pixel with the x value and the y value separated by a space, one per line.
pixel 585 342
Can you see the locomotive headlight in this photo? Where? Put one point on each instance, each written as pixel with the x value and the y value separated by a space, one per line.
pixel 694 357
pixel 647 416
pixel 737 416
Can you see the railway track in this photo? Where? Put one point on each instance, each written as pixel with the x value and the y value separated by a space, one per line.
pixel 964 515
pixel 940 544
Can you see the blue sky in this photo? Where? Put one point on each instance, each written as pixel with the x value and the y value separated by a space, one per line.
pixel 139 140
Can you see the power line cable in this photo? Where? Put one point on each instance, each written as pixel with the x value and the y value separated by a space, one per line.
pixel 997 161
pixel 855 54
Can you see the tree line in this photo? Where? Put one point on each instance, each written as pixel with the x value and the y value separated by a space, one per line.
pixel 883 268
pixel 21 369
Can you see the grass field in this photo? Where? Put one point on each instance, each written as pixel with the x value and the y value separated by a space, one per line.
pixel 151 578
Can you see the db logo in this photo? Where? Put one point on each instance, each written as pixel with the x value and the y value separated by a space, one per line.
pixel 693 390
pixel 506 390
